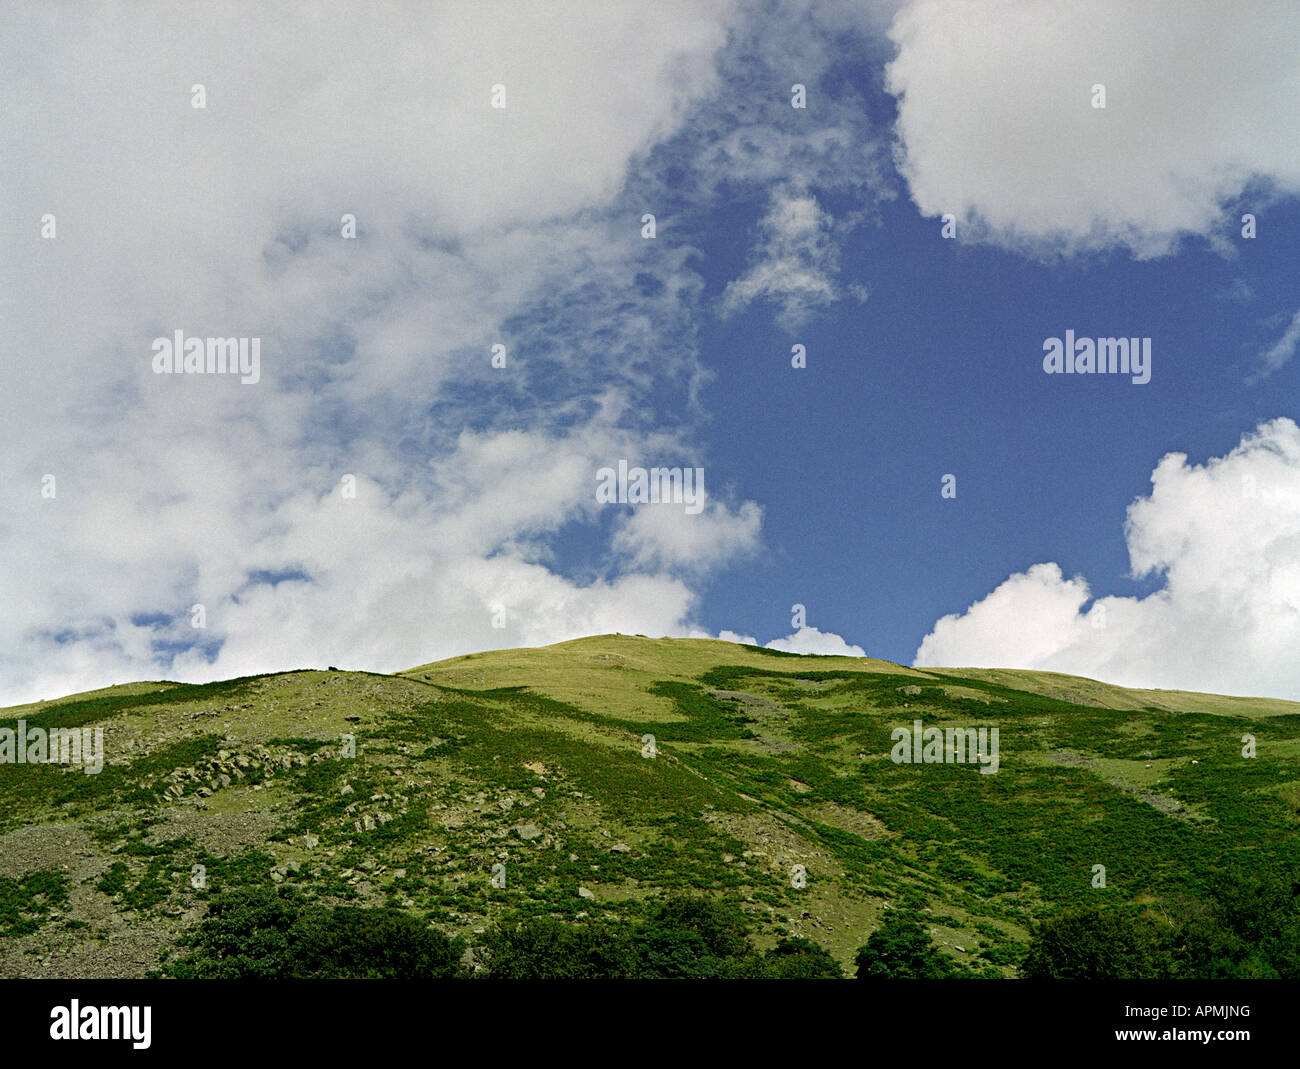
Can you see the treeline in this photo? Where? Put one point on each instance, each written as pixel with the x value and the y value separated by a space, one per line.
pixel 1248 929
pixel 277 933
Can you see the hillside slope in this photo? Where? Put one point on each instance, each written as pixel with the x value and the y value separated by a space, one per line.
pixel 596 774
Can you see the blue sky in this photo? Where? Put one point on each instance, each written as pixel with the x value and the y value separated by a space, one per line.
pixel 940 372
pixel 384 495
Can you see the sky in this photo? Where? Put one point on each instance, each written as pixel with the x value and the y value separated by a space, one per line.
pixel 432 224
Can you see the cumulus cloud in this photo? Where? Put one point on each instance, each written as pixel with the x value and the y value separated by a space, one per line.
pixel 996 124
pixel 811 640
pixel 805 640
pixel 724 635
pixel 1225 539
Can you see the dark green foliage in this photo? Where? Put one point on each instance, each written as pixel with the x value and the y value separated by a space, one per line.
pixel 275 933
pixel 690 938
pixel 114 879
pixel 1091 943
pixel 545 949
pixel 370 944
pixel 901 949
pixel 1249 929
pixel 246 935
pixel 800 959
pixel 685 938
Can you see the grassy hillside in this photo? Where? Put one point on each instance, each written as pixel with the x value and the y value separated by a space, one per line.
pixel 535 760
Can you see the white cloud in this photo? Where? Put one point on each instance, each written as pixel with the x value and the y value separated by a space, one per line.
pixel 996 126
pixel 1281 351
pixel 1225 537
pixel 794 262
pixel 667 536
pixel 171 491
pixel 811 640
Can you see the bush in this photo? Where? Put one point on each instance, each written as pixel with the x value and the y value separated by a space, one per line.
pixel 274 933
pixel 246 935
pixel 349 943
pixel 546 949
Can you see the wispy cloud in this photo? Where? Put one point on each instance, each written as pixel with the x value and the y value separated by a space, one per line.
pixel 795 261
pixel 1280 352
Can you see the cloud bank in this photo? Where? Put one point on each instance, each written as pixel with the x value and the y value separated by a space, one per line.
pixel 1225 539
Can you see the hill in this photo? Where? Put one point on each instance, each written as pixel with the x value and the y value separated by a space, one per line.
pixel 596 775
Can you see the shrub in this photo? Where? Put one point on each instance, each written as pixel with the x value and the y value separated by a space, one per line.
pixel 546 949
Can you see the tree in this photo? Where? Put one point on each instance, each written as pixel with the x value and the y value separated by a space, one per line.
pixel 800 959
pixel 1099 944
pixel 693 938
pixel 901 949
